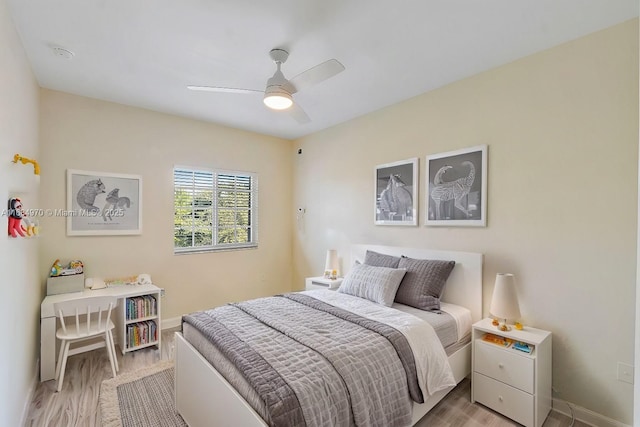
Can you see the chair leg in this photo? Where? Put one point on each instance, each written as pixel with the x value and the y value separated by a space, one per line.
pixel 59 364
pixel 113 349
pixel 109 345
pixel 63 366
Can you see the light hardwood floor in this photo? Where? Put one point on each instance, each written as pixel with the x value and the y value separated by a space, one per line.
pixel 77 403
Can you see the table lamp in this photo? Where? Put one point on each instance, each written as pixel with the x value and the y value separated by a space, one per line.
pixel 504 304
pixel 331 265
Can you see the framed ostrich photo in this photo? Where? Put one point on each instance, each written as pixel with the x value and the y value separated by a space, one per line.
pixel 396 198
pixel 457 188
pixel 100 203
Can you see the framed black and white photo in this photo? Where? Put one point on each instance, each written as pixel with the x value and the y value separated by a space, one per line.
pixel 457 188
pixel 396 197
pixel 101 203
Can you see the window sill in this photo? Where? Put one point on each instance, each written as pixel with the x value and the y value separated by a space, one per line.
pixel 220 249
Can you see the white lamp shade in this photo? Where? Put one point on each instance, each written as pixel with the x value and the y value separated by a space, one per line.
pixel 504 304
pixel 331 262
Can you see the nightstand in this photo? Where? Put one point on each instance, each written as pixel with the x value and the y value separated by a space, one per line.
pixel 311 283
pixel 510 381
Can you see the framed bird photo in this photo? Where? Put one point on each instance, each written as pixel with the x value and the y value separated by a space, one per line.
pixel 457 188
pixel 101 203
pixel 396 198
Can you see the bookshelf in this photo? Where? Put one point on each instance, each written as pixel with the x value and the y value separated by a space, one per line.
pixel 48 322
pixel 138 321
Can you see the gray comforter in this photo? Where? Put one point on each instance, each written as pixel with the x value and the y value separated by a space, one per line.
pixel 315 364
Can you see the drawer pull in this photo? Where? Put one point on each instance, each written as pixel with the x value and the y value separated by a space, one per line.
pixel 500 365
pixel 500 398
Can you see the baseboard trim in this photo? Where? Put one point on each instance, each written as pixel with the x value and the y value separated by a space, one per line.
pixel 585 415
pixel 172 322
pixel 30 393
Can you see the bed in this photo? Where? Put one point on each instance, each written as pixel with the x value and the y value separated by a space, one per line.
pixel 203 395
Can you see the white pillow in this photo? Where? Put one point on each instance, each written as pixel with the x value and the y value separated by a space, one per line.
pixel 377 284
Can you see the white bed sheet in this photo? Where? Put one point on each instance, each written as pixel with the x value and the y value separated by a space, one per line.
pixel 460 314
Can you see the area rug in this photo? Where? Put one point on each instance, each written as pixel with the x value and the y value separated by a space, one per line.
pixel 142 398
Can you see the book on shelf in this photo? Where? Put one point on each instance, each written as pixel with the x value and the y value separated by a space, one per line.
pixel 498 340
pixel 523 346
pixel 140 307
pixel 142 333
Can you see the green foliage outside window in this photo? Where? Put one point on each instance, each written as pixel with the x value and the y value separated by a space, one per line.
pixel 202 221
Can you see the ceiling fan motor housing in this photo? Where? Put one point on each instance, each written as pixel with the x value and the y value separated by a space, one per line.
pixel 278 79
pixel 276 95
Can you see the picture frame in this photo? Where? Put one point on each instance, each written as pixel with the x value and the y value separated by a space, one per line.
pixel 102 203
pixel 396 193
pixel 456 188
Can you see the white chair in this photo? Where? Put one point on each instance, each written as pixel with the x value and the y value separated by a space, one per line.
pixel 92 320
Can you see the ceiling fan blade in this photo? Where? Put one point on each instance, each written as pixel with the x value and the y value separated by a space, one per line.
pixel 223 89
pixel 317 74
pixel 298 114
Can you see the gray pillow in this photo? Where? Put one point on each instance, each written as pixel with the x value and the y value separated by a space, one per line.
pixel 377 284
pixel 423 283
pixel 381 260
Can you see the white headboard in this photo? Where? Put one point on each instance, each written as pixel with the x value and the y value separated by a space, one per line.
pixel 464 286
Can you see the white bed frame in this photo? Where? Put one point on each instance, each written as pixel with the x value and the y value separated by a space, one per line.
pixel 204 398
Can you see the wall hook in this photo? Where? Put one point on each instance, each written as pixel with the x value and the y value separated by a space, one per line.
pixel 36 167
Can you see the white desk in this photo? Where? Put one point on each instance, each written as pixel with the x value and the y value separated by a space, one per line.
pixel 48 319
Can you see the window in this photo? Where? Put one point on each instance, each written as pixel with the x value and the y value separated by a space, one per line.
pixel 214 210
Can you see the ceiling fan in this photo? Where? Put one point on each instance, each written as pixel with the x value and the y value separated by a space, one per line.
pixel 278 94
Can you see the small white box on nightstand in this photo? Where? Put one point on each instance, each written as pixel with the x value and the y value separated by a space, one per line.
pixel 311 283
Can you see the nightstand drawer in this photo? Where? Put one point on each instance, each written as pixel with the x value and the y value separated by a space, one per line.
pixel 504 365
pixel 505 399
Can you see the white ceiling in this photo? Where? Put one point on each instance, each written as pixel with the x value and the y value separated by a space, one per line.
pixel 144 53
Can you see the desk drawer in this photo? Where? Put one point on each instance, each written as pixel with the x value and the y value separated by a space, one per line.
pixel 504 365
pixel 502 398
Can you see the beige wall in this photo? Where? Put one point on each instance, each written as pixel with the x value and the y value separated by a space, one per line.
pixel 19 290
pixel 81 133
pixel 562 130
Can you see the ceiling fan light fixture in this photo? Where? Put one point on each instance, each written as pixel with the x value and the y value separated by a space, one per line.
pixel 277 98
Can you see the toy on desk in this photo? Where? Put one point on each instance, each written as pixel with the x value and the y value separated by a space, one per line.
pixel 518 326
pixel 56 268
pixel 121 281
pixel 77 266
pixel 141 279
pixel 74 267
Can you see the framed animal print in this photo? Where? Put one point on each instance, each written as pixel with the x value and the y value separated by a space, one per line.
pixel 396 198
pixel 457 188
pixel 101 203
